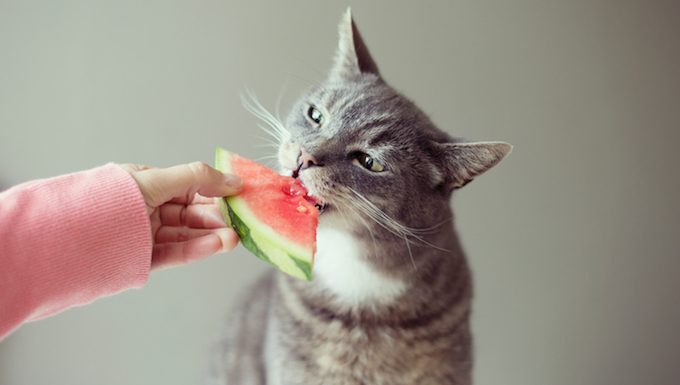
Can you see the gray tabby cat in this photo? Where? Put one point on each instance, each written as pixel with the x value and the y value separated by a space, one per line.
pixel 390 301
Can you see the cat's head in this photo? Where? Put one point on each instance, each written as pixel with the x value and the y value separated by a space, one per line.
pixel 372 157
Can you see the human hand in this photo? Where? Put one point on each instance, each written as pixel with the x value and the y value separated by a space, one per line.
pixel 186 222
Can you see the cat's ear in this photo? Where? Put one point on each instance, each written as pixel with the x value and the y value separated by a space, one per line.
pixel 464 161
pixel 352 58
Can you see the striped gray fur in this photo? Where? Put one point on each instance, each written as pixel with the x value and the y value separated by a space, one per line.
pixel 390 302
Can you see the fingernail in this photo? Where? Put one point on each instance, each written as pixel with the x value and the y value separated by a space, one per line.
pixel 232 180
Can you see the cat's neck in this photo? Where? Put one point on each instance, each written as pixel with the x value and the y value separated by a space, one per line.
pixel 353 272
pixel 343 269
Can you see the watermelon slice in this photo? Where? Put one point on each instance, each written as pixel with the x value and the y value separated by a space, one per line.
pixel 273 215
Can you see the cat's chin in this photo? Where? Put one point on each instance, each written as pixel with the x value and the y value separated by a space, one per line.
pixel 312 192
pixel 331 219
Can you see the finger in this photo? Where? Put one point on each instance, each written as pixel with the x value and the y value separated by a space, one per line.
pixel 168 234
pixel 201 200
pixel 195 199
pixel 187 179
pixel 197 216
pixel 179 253
pixel 229 239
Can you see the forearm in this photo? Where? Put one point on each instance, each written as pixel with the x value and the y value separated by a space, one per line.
pixel 68 240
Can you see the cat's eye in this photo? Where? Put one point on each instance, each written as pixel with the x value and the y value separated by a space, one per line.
pixel 315 116
pixel 368 162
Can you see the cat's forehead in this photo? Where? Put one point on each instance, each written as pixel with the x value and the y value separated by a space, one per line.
pixel 360 96
pixel 363 108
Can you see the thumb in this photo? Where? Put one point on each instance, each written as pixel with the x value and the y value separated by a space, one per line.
pixel 186 180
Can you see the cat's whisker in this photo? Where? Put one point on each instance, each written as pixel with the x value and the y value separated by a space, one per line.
pixel 387 222
pixel 374 209
pixel 360 208
pixel 375 212
pixel 379 221
pixel 267 157
pixel 370 232
pixel 363 222
pixel 253 105
pixel 271 133
pixel 267 145
pixel 268 138
pixel 268 142
pixel 277 107
pixel 268 160
pixel 410 253
pixel 432 229
pixel 367 211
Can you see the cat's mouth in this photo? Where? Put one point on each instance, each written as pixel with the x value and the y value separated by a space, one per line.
pixel 321 207
pixel 313 199
pixel 311 196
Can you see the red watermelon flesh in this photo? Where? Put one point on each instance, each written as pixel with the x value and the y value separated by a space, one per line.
pixel 281 201
pixel 273 214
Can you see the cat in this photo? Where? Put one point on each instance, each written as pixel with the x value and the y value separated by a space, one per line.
pixel 390 299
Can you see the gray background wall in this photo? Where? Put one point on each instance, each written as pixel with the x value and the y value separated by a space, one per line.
pixel 573 239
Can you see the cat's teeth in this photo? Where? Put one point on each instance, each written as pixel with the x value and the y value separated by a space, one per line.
pixel 320 206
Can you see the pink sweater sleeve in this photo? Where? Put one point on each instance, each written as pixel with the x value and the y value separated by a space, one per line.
pixel 68 240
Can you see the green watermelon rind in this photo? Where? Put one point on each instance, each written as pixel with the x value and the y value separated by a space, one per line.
pixel 240 206
pixel 266 251
pixel 259 238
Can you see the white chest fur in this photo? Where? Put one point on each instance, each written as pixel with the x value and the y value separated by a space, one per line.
pixel 340 268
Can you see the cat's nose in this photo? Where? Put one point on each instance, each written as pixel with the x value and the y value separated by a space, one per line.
pixel 306 160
